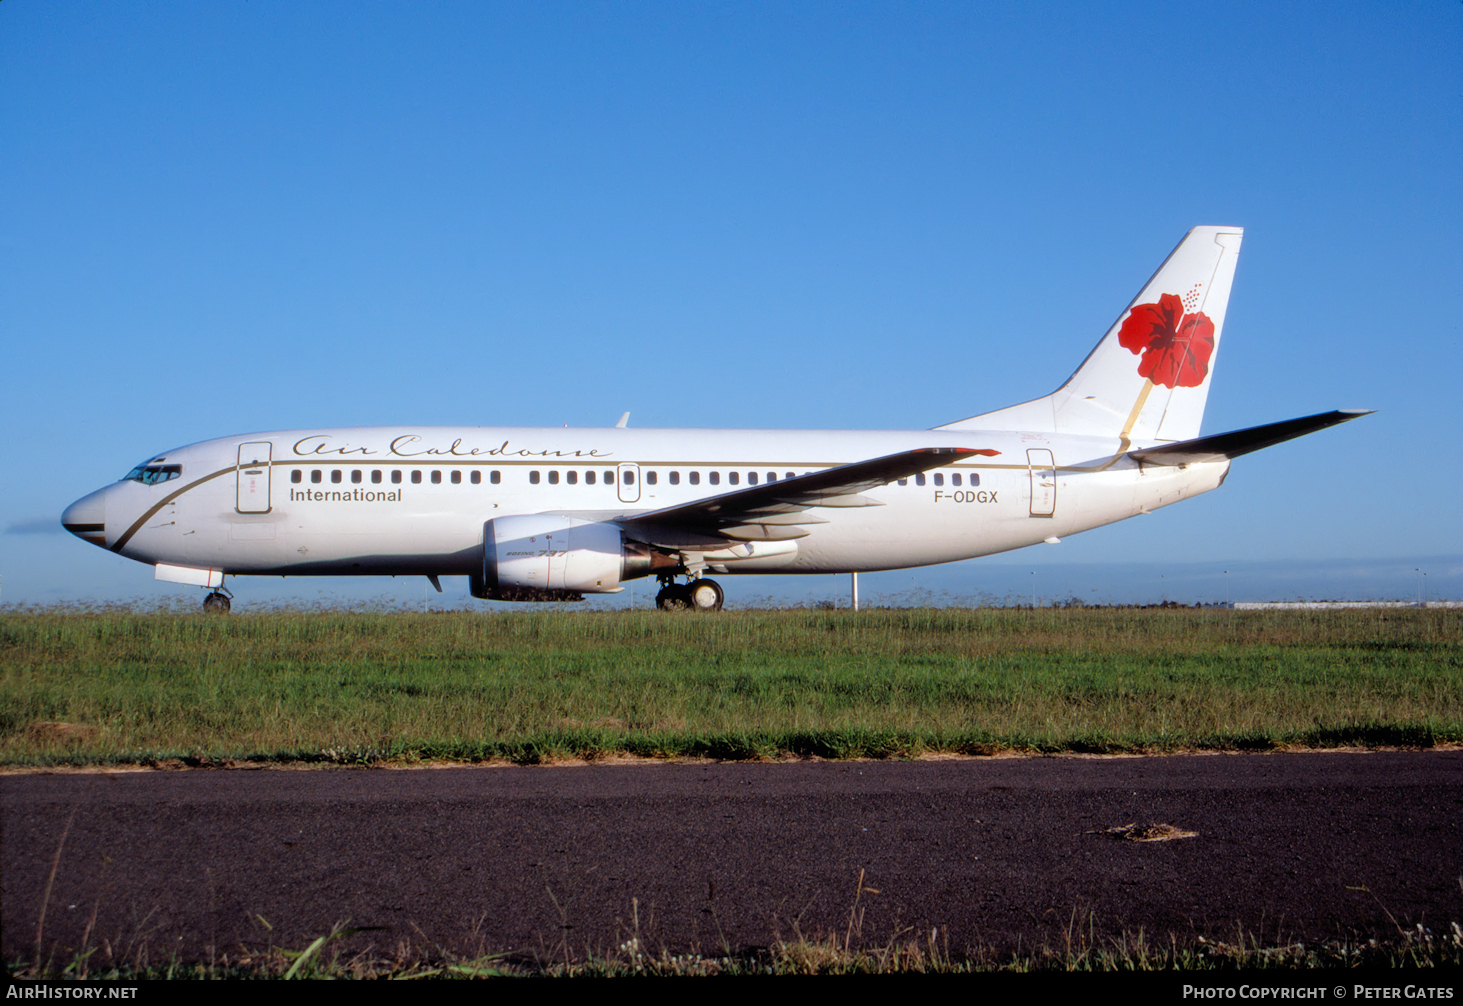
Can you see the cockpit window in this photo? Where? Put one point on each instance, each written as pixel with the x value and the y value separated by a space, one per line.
pixel 151 475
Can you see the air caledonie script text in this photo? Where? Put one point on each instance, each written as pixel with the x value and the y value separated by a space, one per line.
pixel 408 446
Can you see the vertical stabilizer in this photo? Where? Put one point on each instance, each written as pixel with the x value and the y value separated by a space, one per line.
pixel 1148 378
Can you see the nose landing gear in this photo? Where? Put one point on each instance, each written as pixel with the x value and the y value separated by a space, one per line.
pixel 218 602
pixel 698 595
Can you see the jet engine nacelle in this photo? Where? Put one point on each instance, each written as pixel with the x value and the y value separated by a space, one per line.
pixel 548 557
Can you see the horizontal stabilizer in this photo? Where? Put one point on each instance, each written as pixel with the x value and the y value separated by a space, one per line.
pixel 1232 445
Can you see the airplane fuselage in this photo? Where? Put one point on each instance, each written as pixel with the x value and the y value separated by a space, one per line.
pixel 415 500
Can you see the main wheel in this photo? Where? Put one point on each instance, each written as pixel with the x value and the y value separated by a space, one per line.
pixel 216 604
pixel 706 595
pixel 673 597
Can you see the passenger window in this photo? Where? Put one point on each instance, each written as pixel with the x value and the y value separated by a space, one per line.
pixel 955 479
pixel 650 478
pixel 336 475
pixel 553 478
pixel 904 482
pixel 939 479
pixel 476 477
pixel 714 478
pixel 589 477
pixel 396 476
pixel 919 479
pixel 376 477
pixel 675 478
pixel 733 478
pixel 771 476
pixel 751 478
pixel 791 475
pixel 297 475
pixel 695 478
pixel 457 478
pixel 436 477
pixel 495 477
pixel 356 476
pixel 533 478
pixel 975 480
pixel 629 478
pixel 572 478
pixel 315 475
pixel 416 477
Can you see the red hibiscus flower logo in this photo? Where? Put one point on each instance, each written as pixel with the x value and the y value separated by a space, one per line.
pixel 1176 347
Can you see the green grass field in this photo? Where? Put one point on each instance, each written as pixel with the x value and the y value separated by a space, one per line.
pixel 116 688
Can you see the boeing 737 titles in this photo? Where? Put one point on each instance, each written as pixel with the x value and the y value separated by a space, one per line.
pixel 554 514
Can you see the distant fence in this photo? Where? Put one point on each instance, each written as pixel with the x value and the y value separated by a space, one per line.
pixel 1327 605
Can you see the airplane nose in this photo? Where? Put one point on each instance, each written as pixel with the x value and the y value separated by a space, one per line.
pixel 87 518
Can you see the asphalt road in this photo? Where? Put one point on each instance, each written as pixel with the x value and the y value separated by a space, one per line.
pixel 993 854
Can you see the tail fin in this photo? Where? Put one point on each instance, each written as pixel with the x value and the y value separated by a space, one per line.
pixel 1148 378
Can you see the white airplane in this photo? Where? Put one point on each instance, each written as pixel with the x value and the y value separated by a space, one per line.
pixel 553 514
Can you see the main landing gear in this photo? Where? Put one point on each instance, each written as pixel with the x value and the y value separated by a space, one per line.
pixel 698 595
pixel 217 603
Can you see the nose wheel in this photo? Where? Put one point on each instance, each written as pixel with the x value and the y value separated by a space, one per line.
pixel 217 603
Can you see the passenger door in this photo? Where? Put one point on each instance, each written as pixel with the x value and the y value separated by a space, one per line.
pixel 252 486
pixel 1043 482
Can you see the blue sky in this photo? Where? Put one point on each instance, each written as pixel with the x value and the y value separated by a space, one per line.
pixel 220 218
